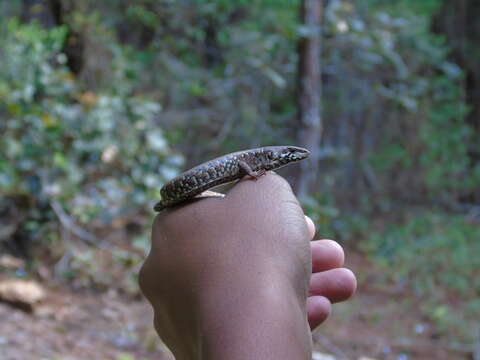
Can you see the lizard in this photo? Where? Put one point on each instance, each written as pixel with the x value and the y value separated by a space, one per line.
pixel 234 166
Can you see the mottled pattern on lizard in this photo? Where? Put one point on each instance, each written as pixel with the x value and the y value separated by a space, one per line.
pixel 230 167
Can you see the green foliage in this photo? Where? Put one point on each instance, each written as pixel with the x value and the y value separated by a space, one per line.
pixel 446 137
pixel 438 241
pixel 100 144
pixel 225 72
pixel 99 153
pixel 393 75
pixel 434 254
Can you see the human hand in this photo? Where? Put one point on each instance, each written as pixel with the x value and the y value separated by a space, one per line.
pixel 224 273
pixel 329 283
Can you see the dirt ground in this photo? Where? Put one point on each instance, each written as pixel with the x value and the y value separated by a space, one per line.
pixel 73 326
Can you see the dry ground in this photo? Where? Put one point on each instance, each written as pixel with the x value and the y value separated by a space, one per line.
pixel 375 324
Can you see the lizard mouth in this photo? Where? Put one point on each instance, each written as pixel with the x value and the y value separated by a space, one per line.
pixel 297 153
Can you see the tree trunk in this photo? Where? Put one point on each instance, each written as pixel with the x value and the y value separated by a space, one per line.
pixel 458 22
pixel 74 46
pixel 309 91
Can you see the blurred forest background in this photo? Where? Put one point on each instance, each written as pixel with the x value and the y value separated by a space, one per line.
pixel 101 102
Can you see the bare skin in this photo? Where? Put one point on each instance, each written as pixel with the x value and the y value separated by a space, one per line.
pixel 240 278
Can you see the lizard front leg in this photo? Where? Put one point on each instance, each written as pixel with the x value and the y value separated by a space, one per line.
pixel 249 171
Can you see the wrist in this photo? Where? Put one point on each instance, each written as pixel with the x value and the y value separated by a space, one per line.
pixel 256 320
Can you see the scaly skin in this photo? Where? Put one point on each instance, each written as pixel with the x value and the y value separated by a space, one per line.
pixel 222 170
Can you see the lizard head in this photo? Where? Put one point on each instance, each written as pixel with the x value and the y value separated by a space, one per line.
pixel 282 155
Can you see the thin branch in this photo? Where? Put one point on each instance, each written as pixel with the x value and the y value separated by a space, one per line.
pixel 69 224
